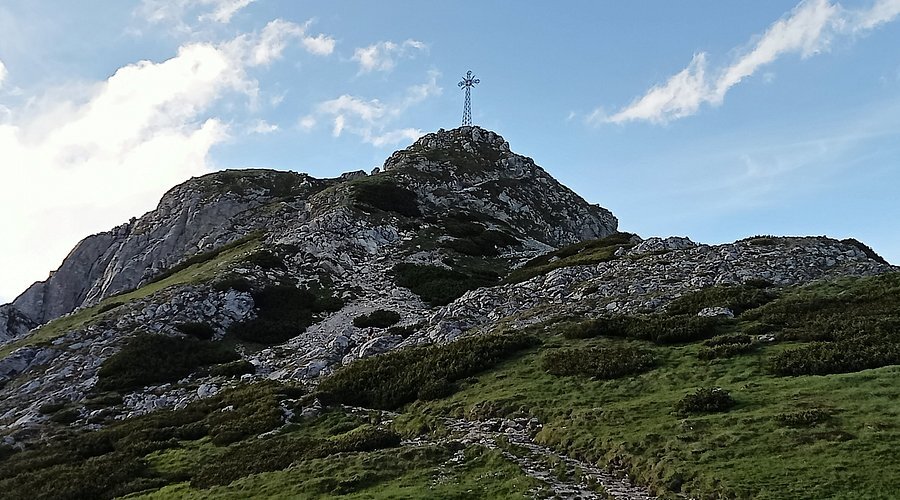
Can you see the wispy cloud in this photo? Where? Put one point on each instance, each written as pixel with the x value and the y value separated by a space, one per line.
pixel 86 157
pixel 382 56
pixel 224 10
pixel 370 118
pixel 182 14
pixel 262 127
pixel 3 73
pixel 807 30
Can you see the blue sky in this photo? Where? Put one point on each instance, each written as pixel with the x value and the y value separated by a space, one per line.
pixel 715 120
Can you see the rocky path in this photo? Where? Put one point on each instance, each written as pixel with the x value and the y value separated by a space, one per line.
pixel 563 476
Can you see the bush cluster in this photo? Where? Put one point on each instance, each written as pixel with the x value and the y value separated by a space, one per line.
pixel 109 462
pixel 604 362
pixel 705 400
pixel 152 359
pixel 724 346
pixel 473 238
pixel 265 259
pixel 395 378
pixel 275 454
pixel 823 358
pixel 283 312
pixel 384 194
pixel 655 328
pixel 233 282
pixel 202 331
pixel 582 253
pixel 803 418
pixel 233 369
pixel 379 318
pixel 738 298
pixel 439 286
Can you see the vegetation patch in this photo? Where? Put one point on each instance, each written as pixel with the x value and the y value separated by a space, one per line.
pixel 738 298
pixel 439 286
pixel 283 312
pixel 705 400
pixel 609 361
pixel 384 194
pixel 866 249
pixel 395 378
pixel 655 328
pixel 804 418
pixel 207 256
pixel 153 359
pixel 233 369
pixel 822 358
pixel 577 254
pixel 265 259
pixel 234 282
pixel 379 318
pixel 202 331
pixel 724 346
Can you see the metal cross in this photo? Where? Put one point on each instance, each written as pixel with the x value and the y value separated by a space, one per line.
pixel 467 83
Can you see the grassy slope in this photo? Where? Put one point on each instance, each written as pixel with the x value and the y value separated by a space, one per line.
pixel 745 453
pixel 193 274
pixel 411 472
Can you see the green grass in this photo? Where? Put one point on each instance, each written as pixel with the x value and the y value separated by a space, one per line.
pixel 831 436
pixel 405 473
pixel 193 274
pixel 577 254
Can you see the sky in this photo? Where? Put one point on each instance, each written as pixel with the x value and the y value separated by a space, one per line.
pixel 708 119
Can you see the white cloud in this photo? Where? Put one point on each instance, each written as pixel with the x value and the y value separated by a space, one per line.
pixel 3 73
pixel 84 158
pixel 807 30
pixel 307 123
pixel 382 56
pixel 224 10
pixel 183 14
pixel 268 45
pixel 369 119
pixel 393 137
pixel 321 45
pixel 262 127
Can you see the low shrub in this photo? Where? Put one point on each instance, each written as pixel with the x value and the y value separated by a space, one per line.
pixel 283 312
pixel 233 282
pixel 738 298
pixel 233 369
pixel 395 378
pixel 379 318
pixel 582 253
pixel 404 331
pixel 655 328
pixel 705 400
pixel 439 286
pixel 823 358
pixel 265 259
pixel 804 418
pixel 724 346
pixel 267 455
pixel 151 359
pixel 67 416
pixel 384 194
pixel 202 331
pixel 53 407
pixel 604 362
pixel 108 307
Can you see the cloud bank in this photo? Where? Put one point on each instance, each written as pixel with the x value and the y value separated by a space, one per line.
pixel 807 30
pixel 382 56
pixel 84 158
pixel 369 119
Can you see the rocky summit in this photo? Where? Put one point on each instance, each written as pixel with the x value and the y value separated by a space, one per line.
pixel 443 305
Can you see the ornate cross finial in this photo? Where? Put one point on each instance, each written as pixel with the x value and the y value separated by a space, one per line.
pixel 467 83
